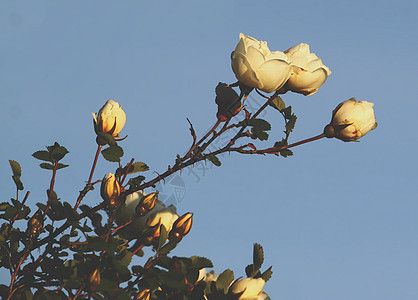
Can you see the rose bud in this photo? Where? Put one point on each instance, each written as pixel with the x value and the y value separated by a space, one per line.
pixel 110 119
pixel 94 281
pixel 110 190
pixel 143 295
pixel 247 288
pixel 35 225
pixel 228 101
pixel 256 66
pixel 308 72
pixel 351 120
pixel 181 227
pixel 146 204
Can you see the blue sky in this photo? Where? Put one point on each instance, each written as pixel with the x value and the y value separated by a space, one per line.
pixel 337 220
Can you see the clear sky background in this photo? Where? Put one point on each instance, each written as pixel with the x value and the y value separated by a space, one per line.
pixel 337 220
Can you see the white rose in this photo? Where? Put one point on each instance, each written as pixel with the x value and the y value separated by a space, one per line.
pixel 127 211
pixel 166 216
pixel 250 288
pixel 255 66
pixel 308 72
pixel 351 120
pixel 110 119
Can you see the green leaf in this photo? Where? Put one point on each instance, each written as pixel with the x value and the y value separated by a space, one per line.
pixel 126 258
pixel 213 159
pixel 135 168
pixel 278 103
pixel 136 181
pixel 113 153
pixel 199 262
pixel 249 270
pixel 18 182
pixel 167 248
pixel 16 169
pixel 58 153
pixel 163 236
pixel 17 172
pixel 42 155
pixel 61 166
pixel 46 166
pixel 259 124
pixel 290 124
pixel 267 274
pixel 261 135
pixel 287 112
pixel 286 152
pixel 224 280
pixel 258 256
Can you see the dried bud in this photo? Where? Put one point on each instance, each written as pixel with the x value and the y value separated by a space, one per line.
pixel 143 295
pixel 110 190
pixel 146 204
pixel 181 227
pixel 94 281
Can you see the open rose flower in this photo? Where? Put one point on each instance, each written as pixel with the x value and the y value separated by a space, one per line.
pixel 256 66
pixel 351 120
pixel 308 72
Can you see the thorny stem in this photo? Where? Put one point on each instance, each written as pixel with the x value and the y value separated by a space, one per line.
pixel 190 158
pixel 11 291
pixel 88 187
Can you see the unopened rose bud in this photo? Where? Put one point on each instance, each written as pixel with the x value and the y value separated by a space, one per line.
pixel 143 295
pixel 228 102
pixel 181 227
pixel 256 66
pixel 146 204
pixel 35 226
pixel 110 119
pixel 110 190
pixel 308 72
pixel 247 288
pixel 94 281
pixel 351 120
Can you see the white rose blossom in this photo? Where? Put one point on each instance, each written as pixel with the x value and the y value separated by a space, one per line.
pixel 256 66
pixel 351 120
pixel 249 288
pixel 308 72
pixel 127 211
